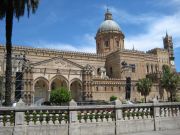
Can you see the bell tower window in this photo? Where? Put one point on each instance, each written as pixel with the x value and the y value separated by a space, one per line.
pixel 111 71
pixel 117 43
pixel 147 68
pixel 106 43
pixel 98 46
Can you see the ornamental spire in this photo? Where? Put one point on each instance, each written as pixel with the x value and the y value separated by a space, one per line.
pixel 108 15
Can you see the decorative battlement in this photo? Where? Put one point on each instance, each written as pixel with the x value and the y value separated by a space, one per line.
pixel 110 81
pixel 155 50
pixel 84 54
pixel 54 51
pixel 137 52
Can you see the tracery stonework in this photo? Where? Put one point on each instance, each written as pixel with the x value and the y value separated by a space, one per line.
pixel 88 76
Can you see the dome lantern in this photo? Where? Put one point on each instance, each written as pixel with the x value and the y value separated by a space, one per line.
pixel 108 15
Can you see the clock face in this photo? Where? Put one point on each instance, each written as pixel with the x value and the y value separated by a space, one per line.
pixel 172 62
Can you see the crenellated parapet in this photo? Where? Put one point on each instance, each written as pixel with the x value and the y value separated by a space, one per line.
pixel 52 52
pixel 156 50
pixel 110 81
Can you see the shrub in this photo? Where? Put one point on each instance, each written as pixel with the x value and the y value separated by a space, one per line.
pixel 113 98
pixel 60 95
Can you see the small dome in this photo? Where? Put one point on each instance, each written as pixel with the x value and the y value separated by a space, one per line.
pixel 109 25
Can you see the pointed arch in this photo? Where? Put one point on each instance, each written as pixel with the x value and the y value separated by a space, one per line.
pixel 58 81
pixel 76 89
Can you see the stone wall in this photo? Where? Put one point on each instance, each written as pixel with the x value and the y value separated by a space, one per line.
pixel 89 120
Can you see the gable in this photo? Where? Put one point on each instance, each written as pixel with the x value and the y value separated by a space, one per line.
pixel 57 63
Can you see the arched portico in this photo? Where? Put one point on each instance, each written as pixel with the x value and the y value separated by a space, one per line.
pixel 41 87
pixel 58 82
pixel 76 89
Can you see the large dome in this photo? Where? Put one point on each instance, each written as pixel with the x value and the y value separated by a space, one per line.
pixel 109 26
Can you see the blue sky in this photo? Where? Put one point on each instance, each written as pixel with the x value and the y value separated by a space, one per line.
pixel 72 24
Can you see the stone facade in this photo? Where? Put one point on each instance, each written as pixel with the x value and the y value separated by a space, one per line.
pixel 88 76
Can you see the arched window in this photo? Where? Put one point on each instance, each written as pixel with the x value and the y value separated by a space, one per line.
pixel 98 46
pixel 99 71
pixel 147 66
pixel 152 70
pixel 106 43
pixel 111 71
pixel 117 43
pixel 156 68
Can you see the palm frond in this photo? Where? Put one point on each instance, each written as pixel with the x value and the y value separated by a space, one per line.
pixel 21 5
pixel 3 5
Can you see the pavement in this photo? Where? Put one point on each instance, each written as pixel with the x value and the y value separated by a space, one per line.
pixel 165 132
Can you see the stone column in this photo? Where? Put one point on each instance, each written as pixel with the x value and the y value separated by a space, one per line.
pixel 49 92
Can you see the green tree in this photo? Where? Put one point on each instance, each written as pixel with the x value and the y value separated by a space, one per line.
pixel 170 81
pixel 144 87
pixel 60 95
pixel 9 9
pixel 113 98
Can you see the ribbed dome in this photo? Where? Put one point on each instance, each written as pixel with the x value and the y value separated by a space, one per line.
pixel 109 25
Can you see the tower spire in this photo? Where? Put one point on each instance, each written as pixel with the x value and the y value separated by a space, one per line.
pixel 133 47
pixel 166 33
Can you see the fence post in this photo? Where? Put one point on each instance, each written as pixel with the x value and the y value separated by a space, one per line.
pixel 19 128
pixel 118 116
pixel 72 114
pixel 19 116
pixel 72 125
pixel 156 114
pixel 118 111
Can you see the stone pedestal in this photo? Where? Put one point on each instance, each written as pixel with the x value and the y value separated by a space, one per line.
pixel 19 128
pixel 19 116
pixel 118 111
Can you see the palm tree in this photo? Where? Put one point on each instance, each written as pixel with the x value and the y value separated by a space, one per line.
pixel 170 81
pixel 144 87
pixel 9 9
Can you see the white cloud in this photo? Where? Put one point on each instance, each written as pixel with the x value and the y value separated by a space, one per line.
pixel 87 44
pixel 154 25
pixel 155 31
pixel 125 17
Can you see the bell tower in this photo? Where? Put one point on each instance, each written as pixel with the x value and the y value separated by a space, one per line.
pixel 168 45
pixel 109 36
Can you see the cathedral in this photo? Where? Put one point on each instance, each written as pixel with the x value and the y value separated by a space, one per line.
pixel 111 71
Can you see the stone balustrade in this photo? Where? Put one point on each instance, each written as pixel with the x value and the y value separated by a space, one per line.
pixel 112 119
